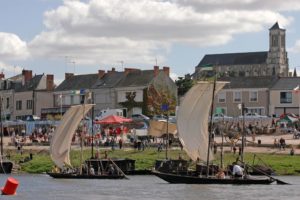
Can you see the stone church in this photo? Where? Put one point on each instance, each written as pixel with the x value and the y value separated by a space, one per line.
pixel 250 64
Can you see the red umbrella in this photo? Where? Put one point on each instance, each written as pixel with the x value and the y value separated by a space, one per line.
pixel 113 119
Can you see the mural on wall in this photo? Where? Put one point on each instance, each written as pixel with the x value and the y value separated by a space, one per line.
pixel 158 95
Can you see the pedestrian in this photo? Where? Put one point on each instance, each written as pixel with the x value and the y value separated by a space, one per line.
pixel 234 149
pixel 120 143
pixel 215 147
pixel 292 152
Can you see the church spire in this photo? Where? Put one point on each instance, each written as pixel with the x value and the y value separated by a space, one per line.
pixel 275 26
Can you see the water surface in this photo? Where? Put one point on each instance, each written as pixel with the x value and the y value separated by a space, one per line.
pixel 43 187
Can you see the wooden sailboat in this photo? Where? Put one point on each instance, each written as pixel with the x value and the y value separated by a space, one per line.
pixel 193 131
pixel 60 150
pixel 5 164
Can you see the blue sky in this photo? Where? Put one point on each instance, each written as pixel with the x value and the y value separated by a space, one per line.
pixel 55 36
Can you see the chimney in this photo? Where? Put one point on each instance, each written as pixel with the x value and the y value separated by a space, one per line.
pixel 68 75
pixel 166 70
pixel 128 70
pixel 2 76
pixel 156 70
pixel 27 75
pixel 112 70
pixel 101 73
pixel 50 82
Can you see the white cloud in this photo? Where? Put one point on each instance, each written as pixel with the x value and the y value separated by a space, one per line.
pixel 103 32
pixel 12 47
pixel 9 69
pixel 275 5
pixel 295 48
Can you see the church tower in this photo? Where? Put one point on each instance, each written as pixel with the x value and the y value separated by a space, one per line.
pixel 277 61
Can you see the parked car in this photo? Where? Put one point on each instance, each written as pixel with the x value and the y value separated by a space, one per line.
pixel 252 116
pixel 159 117
pixel 139 117
pixel 221 117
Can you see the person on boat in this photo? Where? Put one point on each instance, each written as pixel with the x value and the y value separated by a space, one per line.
pixel 111 169
pixel 220 174
pixel 237 170
pixel 92 170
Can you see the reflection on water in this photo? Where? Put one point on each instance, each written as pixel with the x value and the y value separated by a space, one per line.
pixel 34 187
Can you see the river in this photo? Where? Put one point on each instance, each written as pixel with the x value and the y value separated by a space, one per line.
pixel 43 187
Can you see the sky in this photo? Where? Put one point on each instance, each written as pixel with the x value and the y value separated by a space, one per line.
pixel 84 36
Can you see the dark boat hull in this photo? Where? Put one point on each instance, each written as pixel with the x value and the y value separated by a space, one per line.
pixel 182 179
pixel 6 167
pixel 83 176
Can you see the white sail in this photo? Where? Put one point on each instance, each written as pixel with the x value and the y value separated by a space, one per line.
pixel 62 137
pixel 192 122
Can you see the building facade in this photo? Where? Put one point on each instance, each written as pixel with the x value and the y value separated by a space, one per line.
pixel 264 63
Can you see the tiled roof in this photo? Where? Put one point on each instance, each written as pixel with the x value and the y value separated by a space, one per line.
pixel 249 58
pixel 286 83
pixel 109 80
pixel 249 82
pixel 30 85
pixel 78 82
pixel 137 78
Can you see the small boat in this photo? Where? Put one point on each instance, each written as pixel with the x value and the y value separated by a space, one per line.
pixel 190 179
pixel 192 123
pixel 6 166
pixel 84 176
pixel 60 150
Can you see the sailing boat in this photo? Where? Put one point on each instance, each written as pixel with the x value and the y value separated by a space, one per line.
pixel 5 164
pixel 60 150
pixel 193 131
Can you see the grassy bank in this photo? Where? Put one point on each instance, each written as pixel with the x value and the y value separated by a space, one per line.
pixel 282 164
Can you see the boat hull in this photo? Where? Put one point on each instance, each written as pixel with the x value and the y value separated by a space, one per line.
pixel 6 167
pixel 83 176
pixel 183 179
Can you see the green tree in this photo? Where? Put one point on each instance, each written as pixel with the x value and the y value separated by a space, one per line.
pixel 184 84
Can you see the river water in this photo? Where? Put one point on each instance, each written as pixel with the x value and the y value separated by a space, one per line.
pixel 43 187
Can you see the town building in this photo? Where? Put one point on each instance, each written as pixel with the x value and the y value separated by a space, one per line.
pixel 285 96
pixel 273 62
pixel 23 96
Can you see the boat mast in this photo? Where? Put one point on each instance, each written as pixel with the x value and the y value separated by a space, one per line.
pixel 1 128
pixel 243 133
pixel 92 127
pixel 81 134
pixel 211 122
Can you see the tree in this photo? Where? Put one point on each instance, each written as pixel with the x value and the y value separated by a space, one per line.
pixel 184 84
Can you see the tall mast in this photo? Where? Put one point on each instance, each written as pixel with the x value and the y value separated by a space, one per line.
pixel 92 127
pixel 211 122
pixel 1 128
pixel 243 133
pixel 81 134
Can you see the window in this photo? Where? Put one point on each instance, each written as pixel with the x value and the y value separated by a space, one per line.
pixel 7 102
pixel 222 97
pixel 275 40
pixel 253 96
pixel 282 41
pixel 29 104
pixel 237 96
pixel 19 105
pixel 285 97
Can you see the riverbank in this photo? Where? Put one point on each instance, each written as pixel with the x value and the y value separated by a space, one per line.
pixel 283 164
pixel 280 160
